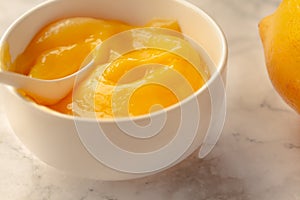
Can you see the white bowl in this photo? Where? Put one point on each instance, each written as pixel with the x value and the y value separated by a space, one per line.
pixel 75 145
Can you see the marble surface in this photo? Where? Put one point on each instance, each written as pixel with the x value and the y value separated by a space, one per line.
pixel 256 158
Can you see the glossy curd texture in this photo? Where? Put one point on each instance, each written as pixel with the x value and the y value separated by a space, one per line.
pixel 131 84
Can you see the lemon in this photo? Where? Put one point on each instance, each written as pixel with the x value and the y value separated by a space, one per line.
pixel 280 36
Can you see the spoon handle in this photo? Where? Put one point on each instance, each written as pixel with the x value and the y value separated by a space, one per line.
pixel 13 79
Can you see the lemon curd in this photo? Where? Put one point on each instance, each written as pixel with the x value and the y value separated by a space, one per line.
pixel 60 48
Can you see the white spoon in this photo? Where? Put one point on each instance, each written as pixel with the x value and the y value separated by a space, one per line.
pixel 47 92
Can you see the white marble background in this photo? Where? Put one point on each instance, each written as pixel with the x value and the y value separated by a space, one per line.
pixel 256 158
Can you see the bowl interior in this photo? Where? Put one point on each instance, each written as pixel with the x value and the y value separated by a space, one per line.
pixel 193 21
